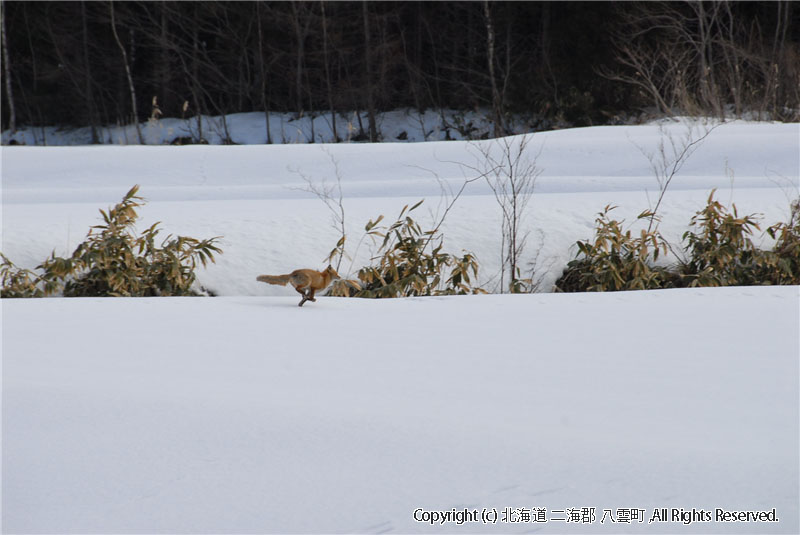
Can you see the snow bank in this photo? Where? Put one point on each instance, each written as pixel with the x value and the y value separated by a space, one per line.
pixel 404 125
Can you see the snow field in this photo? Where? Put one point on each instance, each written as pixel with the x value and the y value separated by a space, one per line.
pixel 251 415
pixel 247 414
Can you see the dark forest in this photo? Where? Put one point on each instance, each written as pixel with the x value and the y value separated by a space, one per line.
pixel 582 63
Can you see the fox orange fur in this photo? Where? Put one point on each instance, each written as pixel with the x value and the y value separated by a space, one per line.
pixel 305 281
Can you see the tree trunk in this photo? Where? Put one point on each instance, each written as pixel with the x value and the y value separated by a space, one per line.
pixel 328 70
pixel 195 82
pixel 496 104
pixel 300 49
pixel 164 67
pixel 373 130
pixel 12 112
pixel 128 73
pixel 88 78
pixel 262 72
pixel 707 78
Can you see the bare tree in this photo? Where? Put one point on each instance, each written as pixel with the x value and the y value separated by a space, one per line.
pixel 704 56
pixel 164 68
pixel 497 105
pixel 651 49
pixel 12 113
pixel 301 22
pixel 326 62
pixel 262 68
pixel 512 180
pixel 653 73
pixel 509 167
pixel 373 129
pixel 706 18
pixel 333 197
pixel 127 73
pixel 88 78
pixel 668 159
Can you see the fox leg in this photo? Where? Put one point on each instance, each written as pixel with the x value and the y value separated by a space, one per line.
pixel 304 294
pixel 308 295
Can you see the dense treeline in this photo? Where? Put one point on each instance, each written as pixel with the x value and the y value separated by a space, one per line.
pixel 96 63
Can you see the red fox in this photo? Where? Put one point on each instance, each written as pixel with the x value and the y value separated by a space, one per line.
pixel 305 281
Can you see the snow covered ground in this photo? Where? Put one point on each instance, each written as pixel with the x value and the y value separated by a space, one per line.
pixel 247 414
pixel 251 415
pixel 252 196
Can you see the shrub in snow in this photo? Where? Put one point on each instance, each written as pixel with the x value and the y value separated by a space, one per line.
pixel 722 253
pixel 787 248
pixel 719 249
pixel 114 261
pixel 411 262
pixel 18 282
pixel 616 259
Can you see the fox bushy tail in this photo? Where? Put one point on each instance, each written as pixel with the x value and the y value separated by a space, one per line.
pixel 283 280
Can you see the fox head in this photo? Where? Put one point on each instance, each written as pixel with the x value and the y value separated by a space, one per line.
pixel 332 272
